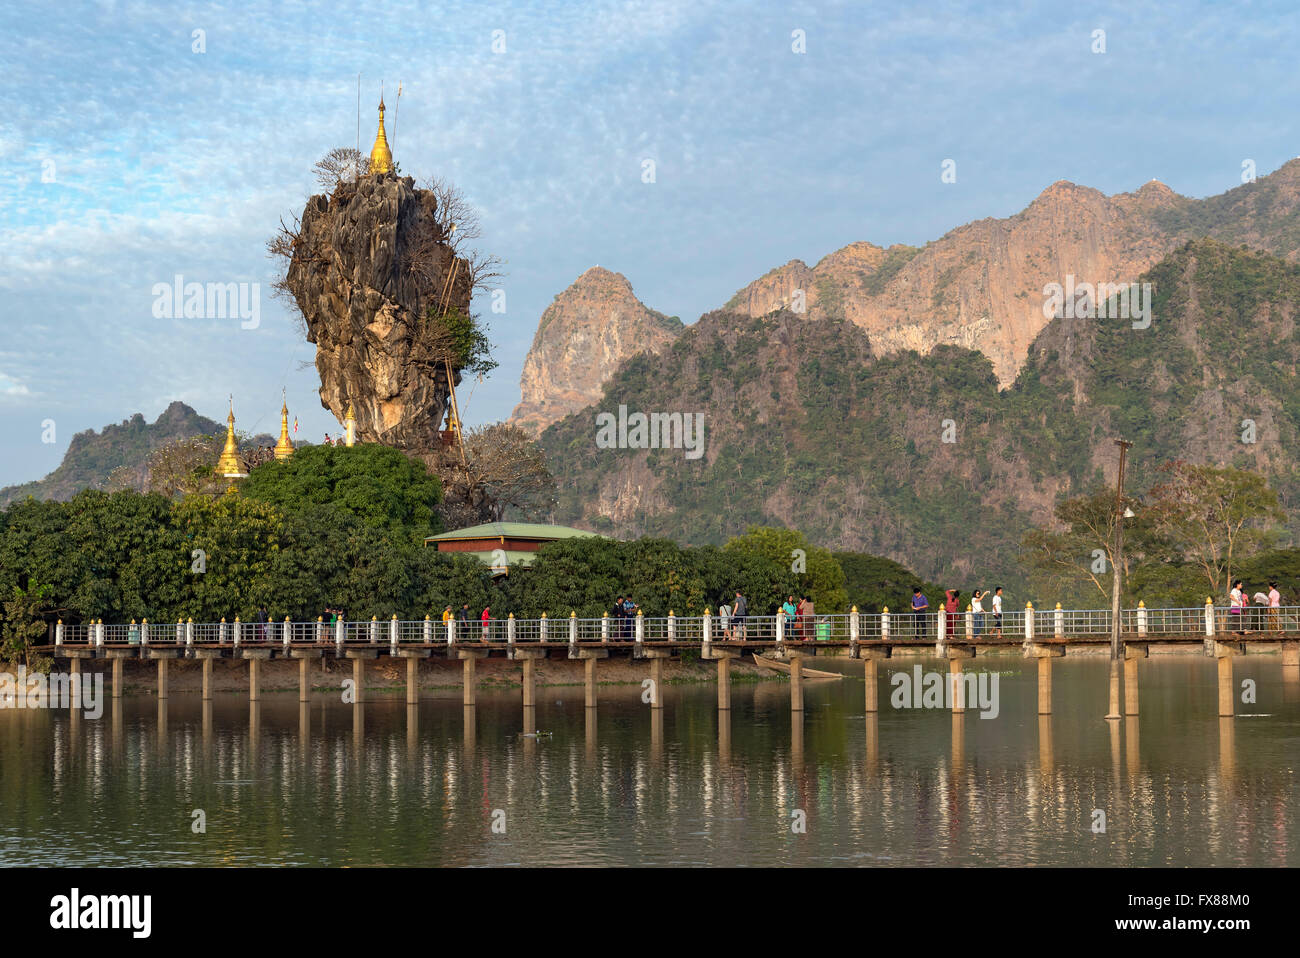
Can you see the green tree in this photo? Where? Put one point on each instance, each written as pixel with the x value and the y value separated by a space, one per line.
pixel 816 573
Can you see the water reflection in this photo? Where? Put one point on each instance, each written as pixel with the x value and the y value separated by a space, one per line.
pixel 390 783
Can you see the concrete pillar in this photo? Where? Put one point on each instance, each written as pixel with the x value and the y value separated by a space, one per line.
pixel 1225 686
pixel 656 683
pixel 873 691
pixel 724 683
pixel 1112 713
pixel 254 669
pixel 1045 685
pixel 796 684
pixel 1131 657
pixel 162 678
pixel 207 680
pixel 1291 654
pixel 470 680
pixel 954 681
pixel 359 679
pixel 529 700
pixel 589 668
pixel 117 678
pixel 75 667
pixel 412 681
pixel 304 680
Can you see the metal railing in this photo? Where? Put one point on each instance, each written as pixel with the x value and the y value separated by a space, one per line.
pixel 1028 624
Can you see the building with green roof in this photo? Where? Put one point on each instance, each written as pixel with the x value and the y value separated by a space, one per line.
pixel 503 545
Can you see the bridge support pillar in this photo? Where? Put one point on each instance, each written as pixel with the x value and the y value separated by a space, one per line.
pixel 656 681
pixel 412 681
pixel 358 657
pixel 254 674
pixel 162 678
pixel 206 656
pixel 796 683
pixel 469 681
pixel 117 678
pixel 1045 654
pixel 304 680
pixel 955 655
pixel 590 657
pixel 1291 654
pixel 1223 652
pixel 1131 655
pixel 872 657
pixel 530 680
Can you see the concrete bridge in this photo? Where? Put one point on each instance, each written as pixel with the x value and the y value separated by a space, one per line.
pixel 869 638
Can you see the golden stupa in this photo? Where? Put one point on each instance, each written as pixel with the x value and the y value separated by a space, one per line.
pixel 381 157
pixel 231 464
pixel 284 448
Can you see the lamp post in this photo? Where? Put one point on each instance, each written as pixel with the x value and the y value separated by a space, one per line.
pixel 1118 562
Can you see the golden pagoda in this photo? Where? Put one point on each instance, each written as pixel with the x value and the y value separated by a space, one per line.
pixel 350 425
pixel 231 465
pixel 284 448
pixel 381 157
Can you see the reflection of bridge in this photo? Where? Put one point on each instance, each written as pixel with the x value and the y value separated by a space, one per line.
pixel 956 636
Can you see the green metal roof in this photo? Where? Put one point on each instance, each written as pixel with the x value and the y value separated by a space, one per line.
pixel 513 530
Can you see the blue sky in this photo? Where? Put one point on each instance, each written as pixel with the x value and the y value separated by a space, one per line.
pixel 127 158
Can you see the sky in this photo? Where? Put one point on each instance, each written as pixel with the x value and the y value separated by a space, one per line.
pixel 140 142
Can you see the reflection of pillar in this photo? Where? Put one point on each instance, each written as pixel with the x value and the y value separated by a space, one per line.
pixel 254 725
pixel 207 721
pixel 958 745
pixel 530 721
pixel 1045 745
pixel 873 741
pixel 412 680
pixel 254 670
pixel 724 736
pixel 591 734
pixel 1113 727
pixel 471 718
pixel 162 678
pixel 117 723
pixel 796 686
pixel 796 741
pixel 304 680
pixel 1131 751
pixel 162 724
pixel 304 726
pixel 656 734
pixel 1227 749
pixel 358 722
pixel 412 728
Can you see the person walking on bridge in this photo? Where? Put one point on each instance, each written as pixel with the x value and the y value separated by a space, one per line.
pixel 920 606
pixel 739 609
pixel 977 607
pixel 952 608
pixel 1274 608
pixel 997 611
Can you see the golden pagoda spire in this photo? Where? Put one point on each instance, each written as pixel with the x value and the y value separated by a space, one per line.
pixel 381 157
pixel 230 464
pixel 284 448
pixel 350 425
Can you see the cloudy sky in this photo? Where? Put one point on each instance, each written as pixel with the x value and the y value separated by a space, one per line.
pixel 128 157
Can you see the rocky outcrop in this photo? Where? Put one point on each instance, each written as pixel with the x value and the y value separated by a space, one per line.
pixel 583 337
pixel 981 285
pixel 367 263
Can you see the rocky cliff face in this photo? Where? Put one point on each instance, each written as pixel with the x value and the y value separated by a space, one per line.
pixel 583 337
pixel 369 260
pixel 981 285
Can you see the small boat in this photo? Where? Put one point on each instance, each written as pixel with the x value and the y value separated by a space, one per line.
pixel 777 665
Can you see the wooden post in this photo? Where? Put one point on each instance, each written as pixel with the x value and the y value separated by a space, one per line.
pixel 412 681
pixel 162 679
pixel 304 681
pixel 207 679
pixel 470 693
pixel 359 679
pixel 590 683
pixel 796 684
pixel 724 683
pixel 656 683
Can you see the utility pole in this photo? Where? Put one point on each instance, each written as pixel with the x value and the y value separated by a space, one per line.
pixel 1118 561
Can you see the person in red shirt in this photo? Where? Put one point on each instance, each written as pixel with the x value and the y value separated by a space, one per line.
pixel 486 618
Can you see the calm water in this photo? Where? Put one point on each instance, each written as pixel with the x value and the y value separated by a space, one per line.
pixel 330 784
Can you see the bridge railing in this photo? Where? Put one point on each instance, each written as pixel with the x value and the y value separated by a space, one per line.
pixel 1042 624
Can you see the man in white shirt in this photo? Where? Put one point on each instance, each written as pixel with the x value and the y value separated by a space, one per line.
pixel 997 611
